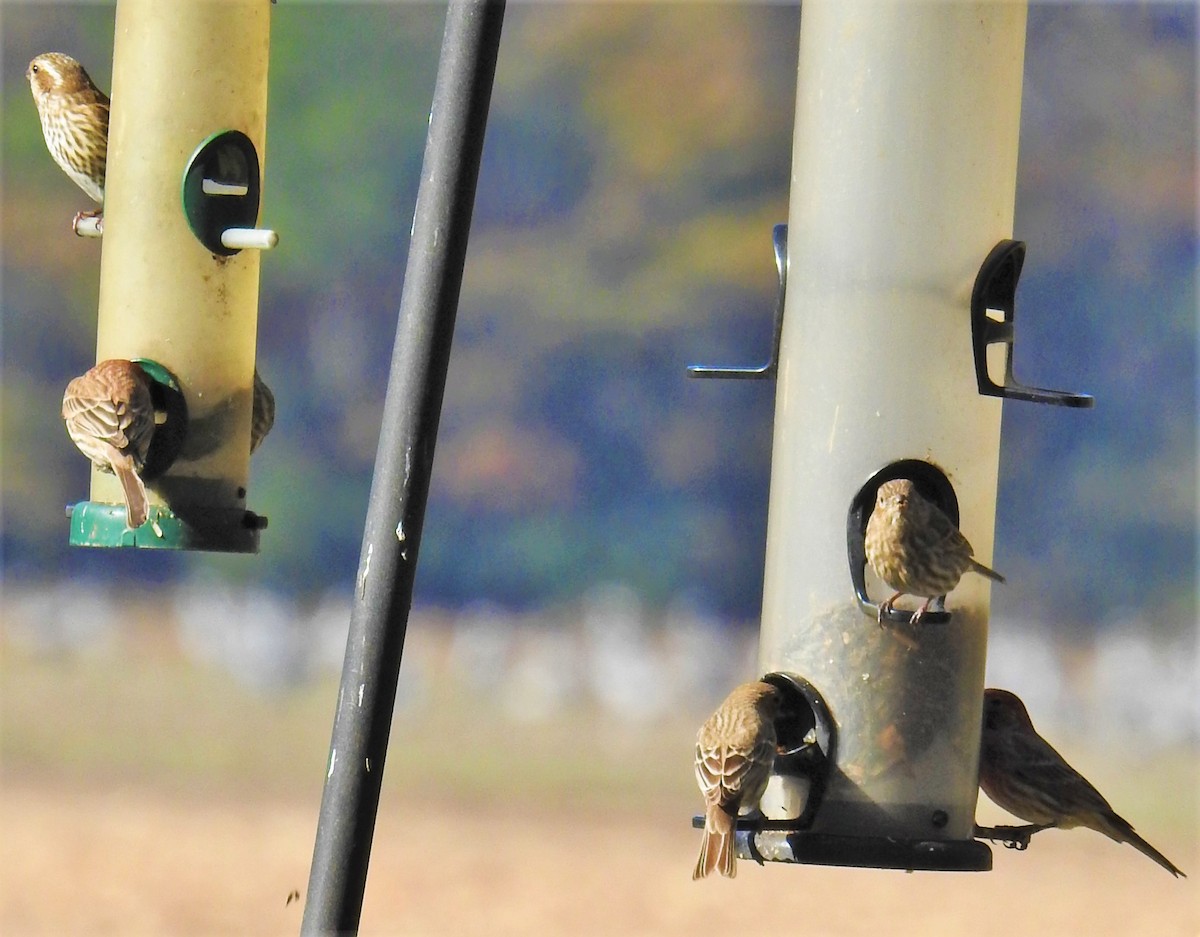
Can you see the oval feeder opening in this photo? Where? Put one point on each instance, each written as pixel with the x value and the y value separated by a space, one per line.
pixel 933 484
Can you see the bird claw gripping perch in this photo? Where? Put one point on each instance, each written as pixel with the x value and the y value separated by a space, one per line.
pixel 996 289
pixel 1013 837
pixel 752 849
pixel 762 371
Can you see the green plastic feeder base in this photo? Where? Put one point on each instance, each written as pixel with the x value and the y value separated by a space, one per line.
pixel 95 524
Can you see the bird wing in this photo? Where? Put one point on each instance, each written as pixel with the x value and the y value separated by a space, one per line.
pixel 946 537
pixel 722 769
pixel 1051 781
pixel 709 773
pixel 1071 800
pixel 89 411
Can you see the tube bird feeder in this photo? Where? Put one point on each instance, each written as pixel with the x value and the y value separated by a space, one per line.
pixel 903 179
pixel 179 272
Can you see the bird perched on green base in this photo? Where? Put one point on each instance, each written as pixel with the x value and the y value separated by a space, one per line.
pixel 735 750
pixel 1021 772
pixel 915 548
pixel 110 416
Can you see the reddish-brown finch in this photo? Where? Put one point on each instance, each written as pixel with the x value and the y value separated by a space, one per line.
pixel 1021 772
pixel 74 115
pixel 110 417
pixel 262 412
pixel 915 548
pixel 735 750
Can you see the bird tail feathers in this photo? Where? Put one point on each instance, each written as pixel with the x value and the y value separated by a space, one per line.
pixel 1119 829
pixel 984 571
pixel 137 507
pixel 716 848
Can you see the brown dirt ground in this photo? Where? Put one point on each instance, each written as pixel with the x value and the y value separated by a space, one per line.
pixel 141 794
pixel 136 861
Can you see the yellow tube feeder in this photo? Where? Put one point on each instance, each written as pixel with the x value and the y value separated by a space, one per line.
pixel 904 176
pixel 180 266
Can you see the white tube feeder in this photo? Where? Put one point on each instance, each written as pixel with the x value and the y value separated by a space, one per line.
pixel 898 278
pixel 179 272
pixel 903 179
pixel 903 182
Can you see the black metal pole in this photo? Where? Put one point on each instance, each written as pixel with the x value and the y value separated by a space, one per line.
pixel 400 487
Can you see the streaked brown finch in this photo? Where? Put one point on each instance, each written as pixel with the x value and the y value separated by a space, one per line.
pixel 735 750
pixel 1021 772
pixel 74 116
pixel 110 417
pixel 262 412
pixel 915 548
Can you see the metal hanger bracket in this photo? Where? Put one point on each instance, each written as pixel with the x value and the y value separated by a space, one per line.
pixel 765 371
pixel 996 290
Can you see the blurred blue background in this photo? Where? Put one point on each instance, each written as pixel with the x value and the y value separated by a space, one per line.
pixel 636 158
pixel 594 540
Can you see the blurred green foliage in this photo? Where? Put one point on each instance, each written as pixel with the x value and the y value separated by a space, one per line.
pixel 636 158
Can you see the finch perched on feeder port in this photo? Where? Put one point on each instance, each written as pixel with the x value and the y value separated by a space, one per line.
pixel 74 116
pixel 915 548
pixel 262 412
pixel 1021 772
pixel 110 417
pixel 735 750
